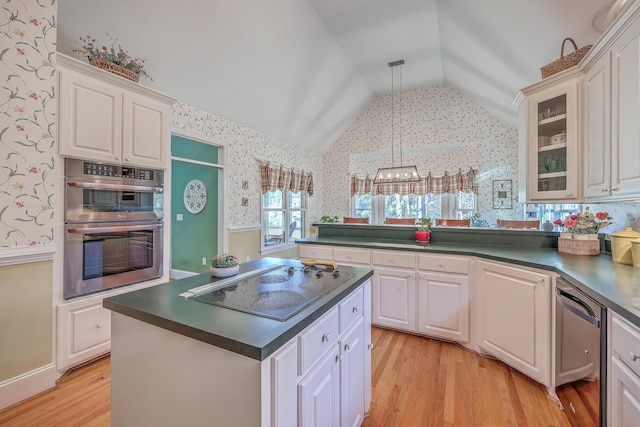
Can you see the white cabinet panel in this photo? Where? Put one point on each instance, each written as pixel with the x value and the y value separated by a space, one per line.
pixel 319 393
pixel 351 256
pixel 514 317
pixel 352 374
pixel 319 252
pixel 393 259
pixel 314 341
pixel 443 305
pixel 625 395
pixel 394 298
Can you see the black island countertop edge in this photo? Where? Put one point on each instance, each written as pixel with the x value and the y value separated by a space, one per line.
pixel 241 333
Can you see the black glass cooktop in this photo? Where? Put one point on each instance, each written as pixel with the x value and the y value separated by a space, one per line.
pixel 277 294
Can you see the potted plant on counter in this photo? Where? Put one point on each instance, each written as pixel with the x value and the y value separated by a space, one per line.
pixel 423 233
pixel 224 266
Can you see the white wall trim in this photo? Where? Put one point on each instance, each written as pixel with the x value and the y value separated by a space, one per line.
pixel 26 254
pixel 278 248
pixel 243 228
pixel 197 136
pixel 24 386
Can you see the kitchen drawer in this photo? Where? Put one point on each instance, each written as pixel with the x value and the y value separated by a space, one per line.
pixel 314 252
pixel 393 259
pixel 358 256
pixel 90 326
pixel 625 343
pixel 314 341
pixel 351 308
pixel 446 264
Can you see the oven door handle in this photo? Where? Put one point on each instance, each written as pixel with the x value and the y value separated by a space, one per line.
pixel 86 230
pixel 120 187
pixel 587 315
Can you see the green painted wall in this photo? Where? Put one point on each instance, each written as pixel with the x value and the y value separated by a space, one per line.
pixel 196 236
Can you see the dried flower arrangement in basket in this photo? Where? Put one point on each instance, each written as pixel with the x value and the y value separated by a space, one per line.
pixel 565 62
pixel 112 59
pixel 580 232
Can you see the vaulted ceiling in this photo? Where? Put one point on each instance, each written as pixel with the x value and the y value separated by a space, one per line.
pixel 302 70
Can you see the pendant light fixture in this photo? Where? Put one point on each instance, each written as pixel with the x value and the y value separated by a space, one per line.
pixel 396 174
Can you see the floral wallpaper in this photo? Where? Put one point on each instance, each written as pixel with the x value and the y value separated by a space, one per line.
pixel 439 130
pixel 27 130
pixel 246 148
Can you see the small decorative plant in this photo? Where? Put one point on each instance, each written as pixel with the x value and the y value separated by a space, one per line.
pixel 116 55
pixel 424 224
pixel 583 223
pixel 224 261
pixel 327 218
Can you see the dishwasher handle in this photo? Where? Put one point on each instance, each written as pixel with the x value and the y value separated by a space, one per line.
pixel 587 315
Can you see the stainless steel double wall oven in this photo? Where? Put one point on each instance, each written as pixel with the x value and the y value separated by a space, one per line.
pixel 113 226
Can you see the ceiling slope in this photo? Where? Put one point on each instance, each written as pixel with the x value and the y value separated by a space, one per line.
pixel 302 70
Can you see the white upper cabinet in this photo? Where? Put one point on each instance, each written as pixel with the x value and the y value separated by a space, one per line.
pixel 553 163
pixel 106 118
pixel 597 129
pixel 625 114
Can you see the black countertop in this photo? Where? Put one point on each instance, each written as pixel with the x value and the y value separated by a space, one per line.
pixel 252 336
pixel 614 285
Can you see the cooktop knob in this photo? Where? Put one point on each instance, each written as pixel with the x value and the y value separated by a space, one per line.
pixel 306 269
pixel 335 273
pixel 291 270
pixel 319 273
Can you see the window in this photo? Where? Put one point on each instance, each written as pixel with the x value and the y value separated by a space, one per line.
pixel 448 205
pixel 283 218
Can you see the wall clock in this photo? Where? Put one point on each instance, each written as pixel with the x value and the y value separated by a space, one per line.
pixel 502 194
pixel 195 196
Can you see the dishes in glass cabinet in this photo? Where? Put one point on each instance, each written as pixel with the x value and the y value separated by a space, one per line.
pixel 558 139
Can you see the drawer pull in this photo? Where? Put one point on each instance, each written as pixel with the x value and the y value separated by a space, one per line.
pixel 326 337
pixel 99 325
pixel 633 356
pixel 441 264
pixel 347 347
pixel 355 309
pixel 370 346
pixel 338 357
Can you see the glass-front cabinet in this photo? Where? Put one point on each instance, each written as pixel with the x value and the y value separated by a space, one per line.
pixel 552 151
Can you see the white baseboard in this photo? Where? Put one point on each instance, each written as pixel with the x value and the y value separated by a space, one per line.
pixel 27 385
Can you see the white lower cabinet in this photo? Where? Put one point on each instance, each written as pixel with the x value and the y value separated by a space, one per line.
pixel 84 331
pixel 514 317
pixel 443 305
pixel 352 384
pixel 394 298
pixel 319 392
pixel 624 373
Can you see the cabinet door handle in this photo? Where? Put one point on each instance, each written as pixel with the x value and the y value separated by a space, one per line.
pixel 604 190
pixel 569 195
pixel 615 189
pixel 540 279
pixel 99 325
pixel 347 347
pixel 355 309
pixel 326 337
pixel 370 346
pixel 338 357
pixel 633 356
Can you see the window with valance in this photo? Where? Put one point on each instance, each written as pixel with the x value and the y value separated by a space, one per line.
pixel 463 182
pixel 287 179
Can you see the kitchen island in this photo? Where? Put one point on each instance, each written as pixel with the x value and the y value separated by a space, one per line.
pixel 177 361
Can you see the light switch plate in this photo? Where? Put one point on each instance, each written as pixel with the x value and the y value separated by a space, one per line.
pixel 179 217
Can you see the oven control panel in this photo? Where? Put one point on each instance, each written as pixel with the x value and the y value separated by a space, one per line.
pixel 98 169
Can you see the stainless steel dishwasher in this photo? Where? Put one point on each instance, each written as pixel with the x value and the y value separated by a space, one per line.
pixel 581 355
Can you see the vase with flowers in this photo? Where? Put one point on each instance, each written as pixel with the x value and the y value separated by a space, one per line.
pixel 423 233
pixel 579 232
pixel 114 59
pixel 224 265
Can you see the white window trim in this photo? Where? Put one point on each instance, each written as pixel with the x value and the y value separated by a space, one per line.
pixel 287 244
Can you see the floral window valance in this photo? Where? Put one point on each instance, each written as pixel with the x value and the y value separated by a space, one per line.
pixel 465 182
pixel 286 179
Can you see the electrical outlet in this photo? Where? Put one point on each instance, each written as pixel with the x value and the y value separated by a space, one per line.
pixel 179 217
pixel 204 261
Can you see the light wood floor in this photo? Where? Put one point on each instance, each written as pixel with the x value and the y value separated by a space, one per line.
pixel 416 382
